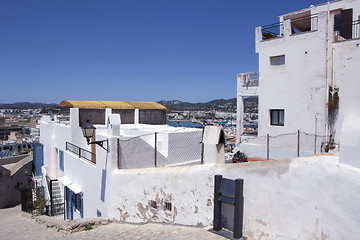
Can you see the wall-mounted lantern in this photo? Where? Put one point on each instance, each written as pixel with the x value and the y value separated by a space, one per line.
pixel 88 131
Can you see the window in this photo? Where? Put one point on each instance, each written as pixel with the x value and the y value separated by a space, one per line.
pixel 277 63
pixel 277 60
pixel 277 117
pixel 61 160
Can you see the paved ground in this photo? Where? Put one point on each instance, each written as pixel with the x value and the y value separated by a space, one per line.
pixel 14 225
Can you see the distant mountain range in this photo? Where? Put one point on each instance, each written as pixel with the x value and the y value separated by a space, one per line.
pixel 25 105
pixel 221 105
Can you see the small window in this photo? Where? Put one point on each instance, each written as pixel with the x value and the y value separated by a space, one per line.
pixel 277 60
pixel 277 117
pixel 61 160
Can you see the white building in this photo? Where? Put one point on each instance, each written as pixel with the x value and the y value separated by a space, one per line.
pixel 77 176
pixel 308 71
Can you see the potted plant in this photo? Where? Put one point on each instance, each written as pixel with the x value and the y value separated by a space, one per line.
pixel 239 157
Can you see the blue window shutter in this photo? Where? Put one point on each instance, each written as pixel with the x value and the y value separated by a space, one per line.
pixel 38 158
pixel 73 199
pixel 66 203
pixel 82 208
pixel 61 160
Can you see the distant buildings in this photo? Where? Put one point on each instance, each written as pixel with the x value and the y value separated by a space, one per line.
pixel 18 130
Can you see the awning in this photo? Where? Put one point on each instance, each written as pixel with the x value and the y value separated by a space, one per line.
pixel 75 188
pixel 65 181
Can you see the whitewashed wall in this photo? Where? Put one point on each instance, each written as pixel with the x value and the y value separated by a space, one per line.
pixel 347 56
pixel 306 198
pixel 299 87
pixel 53 136
pixel 93 179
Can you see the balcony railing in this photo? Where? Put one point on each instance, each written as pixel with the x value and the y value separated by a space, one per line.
pixel 304 24
pixel 272 31
pixel 352 34
pixel 249 79
pixel 82 153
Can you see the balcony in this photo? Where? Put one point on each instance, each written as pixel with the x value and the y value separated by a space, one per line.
pixel 347 31
pixel 275 30
pixel 81 153
pixel 248 83
pixel 304 24
pixel 295 24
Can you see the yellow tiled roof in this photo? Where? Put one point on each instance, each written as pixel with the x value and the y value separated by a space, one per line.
pixel 111 104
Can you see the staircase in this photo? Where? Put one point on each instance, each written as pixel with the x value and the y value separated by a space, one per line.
pixel 57 200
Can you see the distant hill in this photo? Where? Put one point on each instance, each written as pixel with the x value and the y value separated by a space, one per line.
pixel 25 105
pixel 221 105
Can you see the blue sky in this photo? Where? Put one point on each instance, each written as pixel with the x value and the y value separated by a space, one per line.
pixel 149 50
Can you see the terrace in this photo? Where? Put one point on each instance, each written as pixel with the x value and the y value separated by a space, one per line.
pixel 299 23
pixel 346 32
pixel 248 83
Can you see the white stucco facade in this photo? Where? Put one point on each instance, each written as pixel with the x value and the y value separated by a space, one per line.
pixel 302 59
pixel 84 172
pixel 313 60
pixel 91 178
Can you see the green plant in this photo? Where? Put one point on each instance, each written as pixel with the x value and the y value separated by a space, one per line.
pixel 40 201
pixel 333 103
pixel 28 150
pixel 242 155
pixel 88 227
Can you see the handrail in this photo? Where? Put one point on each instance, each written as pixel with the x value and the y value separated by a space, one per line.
pixel 355 32
pixel 315 15
pixel 272 31
pixel 82 153
pixel 304 24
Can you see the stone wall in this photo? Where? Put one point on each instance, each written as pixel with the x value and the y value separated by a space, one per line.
pixel 304 198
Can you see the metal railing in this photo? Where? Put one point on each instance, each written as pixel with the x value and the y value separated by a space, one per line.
pixel 355 28
pixel 284 146
pixel 81 153
pixel 304 24
pixel 249 79
pixel 272 31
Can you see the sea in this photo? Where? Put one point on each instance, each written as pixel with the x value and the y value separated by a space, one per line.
pixel 191 124
pixel 188 124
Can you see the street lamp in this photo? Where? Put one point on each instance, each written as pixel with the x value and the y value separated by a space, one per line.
pixel 88 131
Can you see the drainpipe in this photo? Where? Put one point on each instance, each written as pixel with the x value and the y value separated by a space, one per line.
pixel 328 72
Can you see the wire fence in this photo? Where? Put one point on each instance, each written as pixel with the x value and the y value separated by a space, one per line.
pixel 282 146
pixel 179 147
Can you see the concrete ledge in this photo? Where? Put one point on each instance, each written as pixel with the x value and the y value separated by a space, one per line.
pixel 71 226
